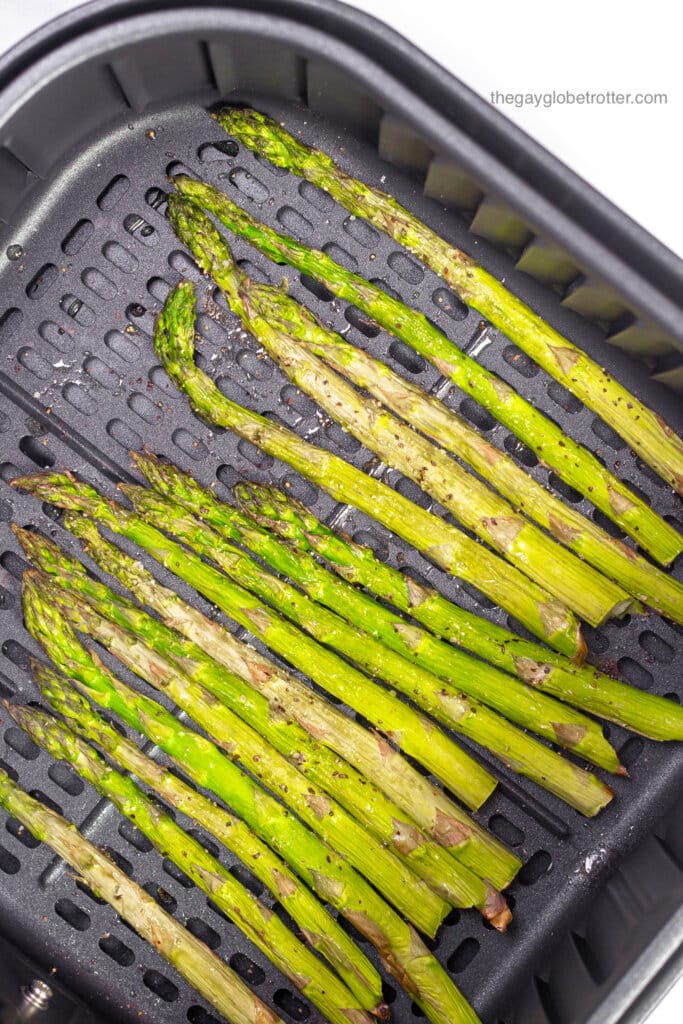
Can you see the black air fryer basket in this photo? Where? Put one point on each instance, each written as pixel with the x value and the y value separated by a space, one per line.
pixel 95 110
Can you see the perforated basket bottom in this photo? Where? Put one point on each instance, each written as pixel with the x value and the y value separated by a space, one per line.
pixel 81 387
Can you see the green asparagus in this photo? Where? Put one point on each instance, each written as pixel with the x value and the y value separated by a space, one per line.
pixel 424 803
pixel 518 703
pixel 205 971
pixel 433 536
pixel 545 670
pixel 646 432
pixel 320 929
pixel 449 879
pixel 417 735
pixel 515 749
pixel 401 949
pixel 256 920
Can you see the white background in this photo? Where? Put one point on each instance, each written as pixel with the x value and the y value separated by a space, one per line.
pixel 633 154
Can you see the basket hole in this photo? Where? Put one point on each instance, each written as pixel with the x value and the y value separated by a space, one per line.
pixel 160 379
pixel 21 833
pixel 370 540
pixel 124 435
pixel 128 831
pixel 538 865
pixel 317 197
pixel 218 912
pixel 9 864
pixel 635 673
pixel 73 915
pixel 249 185
pixel 257 273
pixel 203 932
pixel 9 770
pixel 291 397
pixel 198 1015
pixel 256 367
pixel 597 642
pixel 65 777
pixel 506 831
pixel 143 407
pixel 519 451
pixel 6 601
pixel 299 488
pixel 189 444
pixel 42 281
pixel 165 899
pixel 156 199
pixel 673 697
pixel 13 563
pixel 77 310
pixel 247 969
pixel 204 841
pixel 113 193
pixel 32 361
pixel 358 319
pixel 8 471
pixel 294 223
pixel 120 257
pixel 37 451
pixel 184 265
pixel 4 422
pixel 57 336
pixel 141 229
pixel 361 231
pixel 477 596
pixel 212 152
pixel 316 288
pixel 520 361
pixel 547 1000
pixel 631 750
pixel 158 288
pixel 388 993
pixel 247 878
pixel 380 282
pixel 409 489
pixel 79 397
pixel 564 489
pixel 177 874
pixel 589 959
pixel 294 1007
pixel 340 255
pixel 101 373
pixel 342 438
pixel 10 322
pixel 98 283
pixel 407 357
pixel 78 237
pixel 606 523
pixel 406 268
pixel 606 434
pixel 117 950
pixel 656 647
pixel 450 303
pixel 564 398
pixel 38 794
pixel 463 955
pixel 254 455
pixel 21 744
pixel 160 985
pixel 650 473
pixel 476 414
pixel 210 329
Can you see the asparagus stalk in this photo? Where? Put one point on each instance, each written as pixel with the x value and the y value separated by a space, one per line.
pixel 398 884
pixel 418 736
pixel 254 919
pixel 194 961
pixel 278 321
pixel 515 749
pixel 646 432
pixel 461 673
pixel 436 539
pixel 395 830
pixel 320 929
pixel 425 804
pixel 402 951
pixel 652 532
pixel 585 687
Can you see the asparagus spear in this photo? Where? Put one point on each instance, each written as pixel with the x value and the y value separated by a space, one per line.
pixel 418 736
pixel 277 322
pixel 256 920
pixel 320 929
pixel 400 947
pixel 205 971
pixel 436 539
pixel 646 432
pixel 412 792
pixel 573 463
pixel 413 898
pixel 515 749
pixel 449 879
pixel 518 703
pixel 545 670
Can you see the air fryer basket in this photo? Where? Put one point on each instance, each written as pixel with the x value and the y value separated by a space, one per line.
pixel 95 111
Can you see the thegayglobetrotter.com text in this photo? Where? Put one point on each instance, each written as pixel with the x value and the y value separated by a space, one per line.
pixel 571 98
